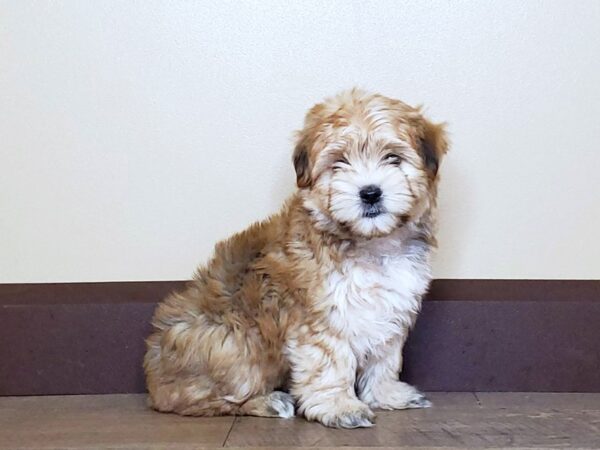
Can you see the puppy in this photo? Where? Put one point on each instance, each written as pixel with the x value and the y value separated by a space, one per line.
pixel 310 308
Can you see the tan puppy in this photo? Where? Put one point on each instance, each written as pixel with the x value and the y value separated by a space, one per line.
pixel 318 299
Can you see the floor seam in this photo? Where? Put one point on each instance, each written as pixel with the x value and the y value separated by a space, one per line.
pixel 229 431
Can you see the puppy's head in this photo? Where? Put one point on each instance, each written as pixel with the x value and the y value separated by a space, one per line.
pixel 367 164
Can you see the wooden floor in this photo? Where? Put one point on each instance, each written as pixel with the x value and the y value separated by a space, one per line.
pixel 457 420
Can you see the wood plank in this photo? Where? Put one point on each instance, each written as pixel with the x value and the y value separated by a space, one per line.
pixel 527 401
pixel 393 428
pixel 455 421
pixel 101 421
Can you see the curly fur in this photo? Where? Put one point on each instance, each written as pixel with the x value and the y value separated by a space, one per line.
pixel 317 300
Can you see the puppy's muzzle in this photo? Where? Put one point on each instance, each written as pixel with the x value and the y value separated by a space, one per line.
pixel 371 199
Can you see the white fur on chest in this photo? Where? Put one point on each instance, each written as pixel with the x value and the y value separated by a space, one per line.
pixel 376 293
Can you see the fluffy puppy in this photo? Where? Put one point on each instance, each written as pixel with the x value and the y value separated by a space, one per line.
pixel 311 308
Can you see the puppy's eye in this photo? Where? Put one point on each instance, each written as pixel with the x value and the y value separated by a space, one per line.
pixel 392 158
pixel 340 163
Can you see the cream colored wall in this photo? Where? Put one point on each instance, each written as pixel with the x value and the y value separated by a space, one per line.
pixel 133 135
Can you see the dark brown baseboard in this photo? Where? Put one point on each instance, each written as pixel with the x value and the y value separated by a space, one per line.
pixel 472 335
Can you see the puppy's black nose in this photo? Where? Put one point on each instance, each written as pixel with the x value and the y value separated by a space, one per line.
pixel 370 194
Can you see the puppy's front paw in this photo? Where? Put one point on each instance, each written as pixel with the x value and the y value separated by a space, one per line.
pixel 419 401
pixel 348 413
pixel 395 395
pixel 350 419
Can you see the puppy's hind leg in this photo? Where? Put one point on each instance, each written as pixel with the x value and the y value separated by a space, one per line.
pixel 276 404
pixel 195 396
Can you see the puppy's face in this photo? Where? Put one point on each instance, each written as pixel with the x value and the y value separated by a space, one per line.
pixel 367 164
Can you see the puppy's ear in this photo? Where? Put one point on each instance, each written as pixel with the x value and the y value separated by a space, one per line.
pixel 302 163
pixel 434 145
